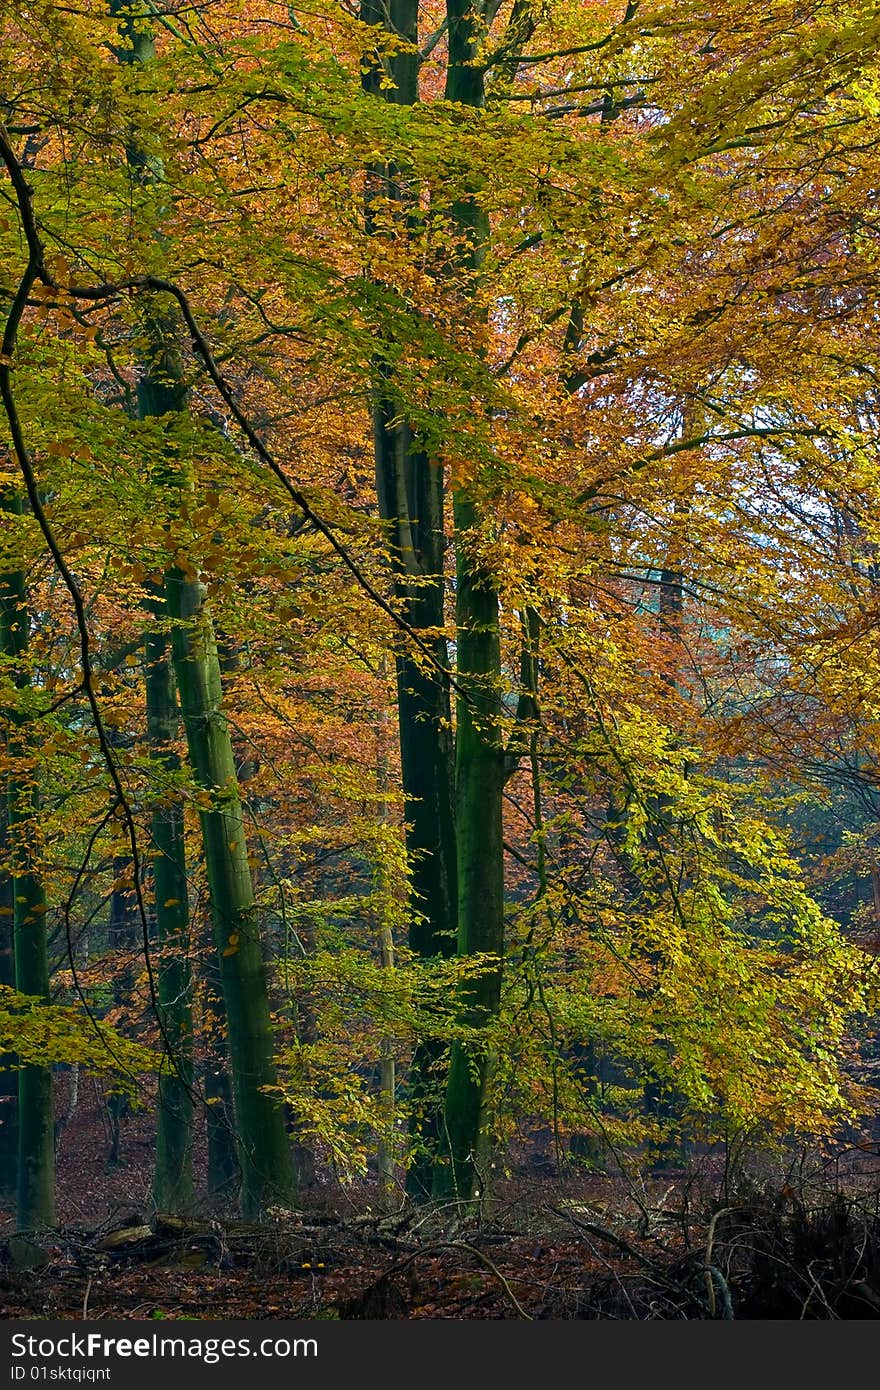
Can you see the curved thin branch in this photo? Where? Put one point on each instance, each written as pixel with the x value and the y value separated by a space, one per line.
pixel 36 269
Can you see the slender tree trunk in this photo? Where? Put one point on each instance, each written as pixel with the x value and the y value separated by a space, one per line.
pixel 875 898
pixel 223 1171
pixel 410 491
pixel 305 1020
pixel 387 1069
pixel 36 1131
pixel 8 1074
pixel 264 1156
pixel 172 1174
pixel 659 1097
pixel 387 1083
pixel 264 1153
pixel 123 940
pixel 64 1120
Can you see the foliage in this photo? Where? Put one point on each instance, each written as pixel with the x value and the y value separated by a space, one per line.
pixel 656 383
pixel 33 1032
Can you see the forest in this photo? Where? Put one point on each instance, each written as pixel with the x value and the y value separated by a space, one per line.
pixel 439 637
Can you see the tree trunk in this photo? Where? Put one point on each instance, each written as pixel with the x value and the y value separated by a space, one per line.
pixel 387 1069
pixel 266 1171
pixel 123 940
pixel 224 1175
pixel 426 756
pixel 264 1157
pixel 410 493
pixel 172 1174
pixel 8 1074
pixel 479 758
pixel 479 788
pixel 264 1154
pixel 36 1131
pixel 387 1085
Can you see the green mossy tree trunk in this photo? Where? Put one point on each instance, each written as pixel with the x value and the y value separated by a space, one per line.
pixel 426 756
pixel 479 790
pixel 124 935
pixel 264 1153
pixel 410 491
pixel 172 1173
pixel 8 1074
pixel 264 1157
pixel 479 759
pixel 160 391
pixel 35 1205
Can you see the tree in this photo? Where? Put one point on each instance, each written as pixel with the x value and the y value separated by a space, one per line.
pixel 372 265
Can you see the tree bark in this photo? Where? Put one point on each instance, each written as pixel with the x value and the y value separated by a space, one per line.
pixel 223 1173
pixel 172 1173
pixel 8 1074
pixel 264 1154
pixel 410 492
pixel 266 1170
pixel 264 1157
pixel 479 787
pixel 36 1131
pixel 387 1069
pixel 479 759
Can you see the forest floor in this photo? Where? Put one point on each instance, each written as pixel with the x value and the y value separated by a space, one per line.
pixel 795 1240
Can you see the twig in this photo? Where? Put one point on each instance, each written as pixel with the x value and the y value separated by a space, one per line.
pixel 708 1267
pixel 713 1276
pixel 463 1245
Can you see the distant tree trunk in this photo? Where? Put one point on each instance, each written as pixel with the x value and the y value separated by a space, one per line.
pixel 875 898
pixel 305 1021
pixel 36 1131
pixel 661 1100
pixel 123 940
pixel 64 1120
pixel 387 1069
pixel 387 1085
pixel 8 1074
pixel 224 1174
pixel 658 1098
